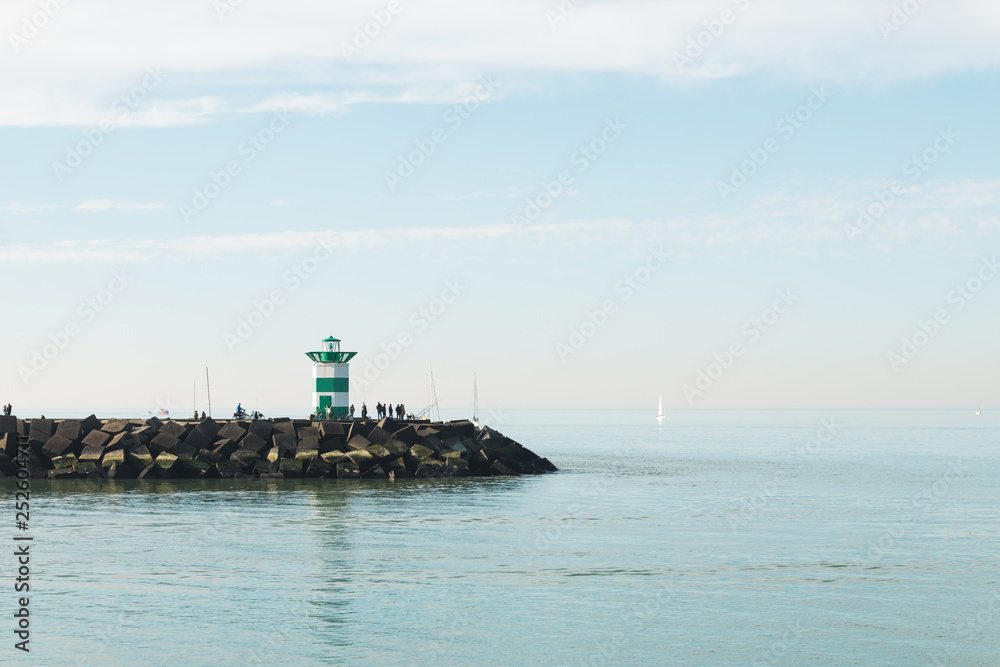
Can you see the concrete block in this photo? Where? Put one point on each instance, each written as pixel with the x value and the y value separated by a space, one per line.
pixel 261 428
pixel 362 458
pixel 376 472
pixel 58 445
pixel 331 429
pixel 67 461
pixel 284 441
pixel 348 470
pixel 271 475
pixel 420 452
pixel 307 454
pixel 172 428
pixel 209 427
pixel 67 428
pixel 143 434
pixel 319 468
pixel 357 442
pixel 274 454
pixel 114 456
pixel 286 427
pixel 208 456
pixel 308 443
pixel 261 466
pixel 407 434
pixel 379 452
pixel 253 442
pixel 334 444
pixel 166 461
pixel 8 424
pixel 360 427
pixel 228 468
pixel 334 457
pixel 163 442
pixel 92 454
pixel 154 423
pixel 121 471
pixel 379 436
pixel 309 432
pixel 397 447
pixel 198 439
pixel 291 467
pixel 232 431
pixel 183 450
pixel 152 471
pixel 114 426
pixel 224 447
pixel 245 457
pixel 498 468
pixel 195 468
pixel 140 458
pixel 96 439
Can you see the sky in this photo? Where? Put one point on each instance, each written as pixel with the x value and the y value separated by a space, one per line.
pixel 736 204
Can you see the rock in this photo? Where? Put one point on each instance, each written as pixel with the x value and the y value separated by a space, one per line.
pixel 232 431
pixel 114 426
pixel 274 454
pixel 479 464
pixel 546 465
pixel 121 441
pixel 154 424
pixel 41 430
pixel 458 468
pixel 143 435
pixel 307 454
pixel 432 441
pixel 140 458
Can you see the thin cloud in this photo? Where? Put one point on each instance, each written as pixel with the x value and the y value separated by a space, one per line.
pixel 118 205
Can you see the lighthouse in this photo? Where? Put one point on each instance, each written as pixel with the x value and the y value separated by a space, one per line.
pixel 331 382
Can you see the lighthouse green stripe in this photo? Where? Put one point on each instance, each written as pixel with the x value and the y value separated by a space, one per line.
pixel 332 385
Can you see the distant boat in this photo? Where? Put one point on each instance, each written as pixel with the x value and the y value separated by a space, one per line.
pixel 979 408
pixel 475 401
pixel 659 415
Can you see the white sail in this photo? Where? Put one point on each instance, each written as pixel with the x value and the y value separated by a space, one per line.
pixel 659 415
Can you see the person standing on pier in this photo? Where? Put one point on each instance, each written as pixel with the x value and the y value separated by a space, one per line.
pixel 352 412
pixel 364 411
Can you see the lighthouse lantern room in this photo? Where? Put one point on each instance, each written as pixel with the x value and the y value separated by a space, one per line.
pixel 331 380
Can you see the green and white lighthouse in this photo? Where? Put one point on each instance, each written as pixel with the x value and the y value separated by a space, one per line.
pixel 331 381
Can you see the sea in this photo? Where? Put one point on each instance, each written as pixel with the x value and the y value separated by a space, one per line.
pixel 714 537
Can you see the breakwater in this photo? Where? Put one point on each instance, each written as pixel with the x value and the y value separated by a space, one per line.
pixel 263 448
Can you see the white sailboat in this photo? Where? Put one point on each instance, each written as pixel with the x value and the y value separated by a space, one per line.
pixel 475 401
pixel 979 408
pixel 659 415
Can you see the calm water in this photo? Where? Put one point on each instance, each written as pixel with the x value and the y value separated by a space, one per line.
pixel 720 537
